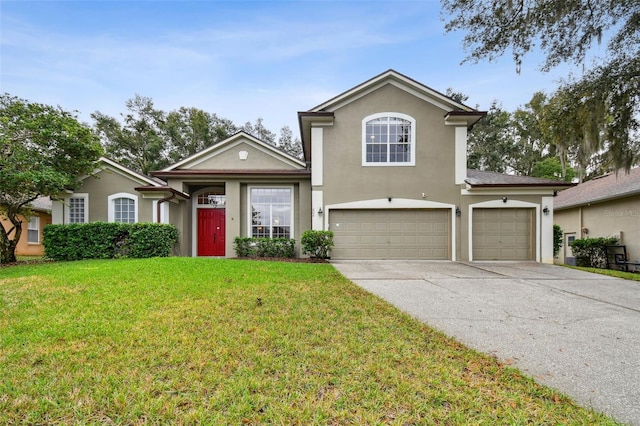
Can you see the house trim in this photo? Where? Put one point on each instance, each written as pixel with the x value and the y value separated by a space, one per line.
pixel 317 157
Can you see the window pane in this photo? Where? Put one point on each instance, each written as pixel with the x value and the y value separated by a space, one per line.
pixel 124 210
pixel 271 212
pixel 388 139
pixel 33 230
pixel 76 210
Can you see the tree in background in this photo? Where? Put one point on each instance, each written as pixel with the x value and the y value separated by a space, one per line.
pixel 44 150
pixel 288 144
pixel 149 139
pixel 190 130
pixel 550 168
pixel 490 144
pixel 531 145
pixel 259 131
pixel 138 142
pixel 604 104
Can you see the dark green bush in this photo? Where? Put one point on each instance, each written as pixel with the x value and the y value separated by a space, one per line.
pixel 265 247
pixel 151 240
pixel 557 239
pixel 590 252
pixel 101 240
pixel 317 244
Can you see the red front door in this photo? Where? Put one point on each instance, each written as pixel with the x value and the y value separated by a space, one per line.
pixel 211 232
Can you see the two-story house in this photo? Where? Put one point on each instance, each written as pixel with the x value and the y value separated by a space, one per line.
pixel 384 168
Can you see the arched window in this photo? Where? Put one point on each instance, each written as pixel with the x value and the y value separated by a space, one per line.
pixel 388 139
pixel 123 208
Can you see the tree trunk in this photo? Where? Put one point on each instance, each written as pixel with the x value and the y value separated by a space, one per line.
pixel 7 245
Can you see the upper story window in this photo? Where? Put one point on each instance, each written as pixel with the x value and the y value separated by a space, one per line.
pixel 77 211
pixel 388 139
pixel 123 208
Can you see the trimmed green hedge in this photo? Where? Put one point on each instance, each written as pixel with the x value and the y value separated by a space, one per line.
pixel 101 240
pixel 317 244
pixel 264 247
pixel 590 252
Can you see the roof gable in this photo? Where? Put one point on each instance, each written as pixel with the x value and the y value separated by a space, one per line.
pixel 607 187
pixel 396 79
pixel 222 152
pixel 105 163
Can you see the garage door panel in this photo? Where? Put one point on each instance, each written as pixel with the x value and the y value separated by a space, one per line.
pixel 503 234
pixel 391 234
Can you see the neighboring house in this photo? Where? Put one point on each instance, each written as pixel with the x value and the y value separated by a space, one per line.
pixel 606 206
pixel 30 243
pixel 384 168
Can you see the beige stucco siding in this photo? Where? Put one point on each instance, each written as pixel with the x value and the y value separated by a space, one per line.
pixel 345 179
pixel 611 218
pixel 107 183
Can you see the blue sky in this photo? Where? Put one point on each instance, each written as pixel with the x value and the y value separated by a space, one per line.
pixel 241 60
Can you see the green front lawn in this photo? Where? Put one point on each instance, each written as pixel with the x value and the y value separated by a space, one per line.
pixel 185 341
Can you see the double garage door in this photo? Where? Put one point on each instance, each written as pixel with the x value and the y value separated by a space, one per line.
pixel 391 234
pixel 503 234
pixel 498 234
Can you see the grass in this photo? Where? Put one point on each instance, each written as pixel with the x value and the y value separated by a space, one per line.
pixel 633 276
pixel 188 341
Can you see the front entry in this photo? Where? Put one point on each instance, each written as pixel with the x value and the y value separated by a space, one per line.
pixel 211 233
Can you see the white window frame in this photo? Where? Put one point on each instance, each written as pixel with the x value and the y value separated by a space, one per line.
pixel 84 196
pixel 33 225
pixel 111 214
pixel 412 143
pixel 289 187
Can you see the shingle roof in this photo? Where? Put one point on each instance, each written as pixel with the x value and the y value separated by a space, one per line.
pixel 41 204
pixel 606 187
pixel 479 178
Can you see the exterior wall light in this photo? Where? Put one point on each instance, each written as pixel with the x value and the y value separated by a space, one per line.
pixel 458 211
pixel 320 211
pixel 545 211
pixel 504 200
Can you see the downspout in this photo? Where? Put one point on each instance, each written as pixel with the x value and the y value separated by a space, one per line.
pixel 169 198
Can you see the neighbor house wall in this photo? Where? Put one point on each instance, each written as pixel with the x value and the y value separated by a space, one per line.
pixel 619 217
pixel 25 248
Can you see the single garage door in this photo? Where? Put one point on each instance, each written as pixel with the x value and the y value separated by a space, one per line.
pixel 390 234
pixel 503 234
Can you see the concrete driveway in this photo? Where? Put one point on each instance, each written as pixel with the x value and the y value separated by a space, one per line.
pixel 574 331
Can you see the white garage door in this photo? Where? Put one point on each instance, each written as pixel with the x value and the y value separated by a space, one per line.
pixel 391 234
pixel 503 234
